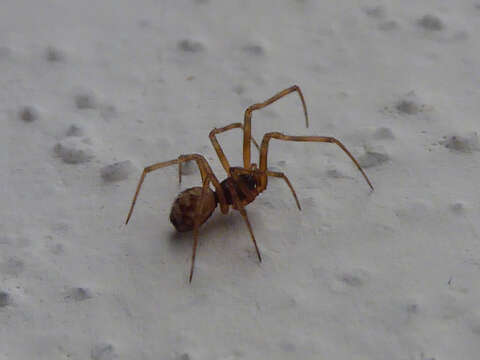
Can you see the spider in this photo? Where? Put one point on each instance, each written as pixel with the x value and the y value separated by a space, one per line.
pixel 195 205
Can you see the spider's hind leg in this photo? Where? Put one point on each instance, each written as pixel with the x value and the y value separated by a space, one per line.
pixel 202 165
pixel 325 139
pixel 196 226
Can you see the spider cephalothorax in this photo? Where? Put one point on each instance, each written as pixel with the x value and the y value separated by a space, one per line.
pixel 194 206
pixel 249 180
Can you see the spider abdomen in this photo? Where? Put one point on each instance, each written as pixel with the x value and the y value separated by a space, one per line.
pixel 183 210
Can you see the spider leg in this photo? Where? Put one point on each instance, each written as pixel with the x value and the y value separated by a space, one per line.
pixel 238 205
pixel 243 212
pixel 201 162
pixel 280 136
pixel 216 145
pixel 204 171
pixel 198 212
pixel 195 240
pixel 247 131
pixel 284 177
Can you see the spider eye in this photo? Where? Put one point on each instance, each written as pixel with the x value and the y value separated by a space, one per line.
pixel 249 180
pixel 252 184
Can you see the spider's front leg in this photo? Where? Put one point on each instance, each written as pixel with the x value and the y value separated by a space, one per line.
pixel 247 121
pixel 325 139
pixel 216 145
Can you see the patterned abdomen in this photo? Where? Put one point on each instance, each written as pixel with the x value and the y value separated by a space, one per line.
pixel 184 207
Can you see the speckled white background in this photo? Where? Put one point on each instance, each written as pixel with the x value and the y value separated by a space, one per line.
pixel 391 274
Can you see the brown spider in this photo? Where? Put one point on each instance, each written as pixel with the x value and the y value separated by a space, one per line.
pixel 195 205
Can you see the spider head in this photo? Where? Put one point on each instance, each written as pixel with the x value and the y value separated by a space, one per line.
pixel 251 180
